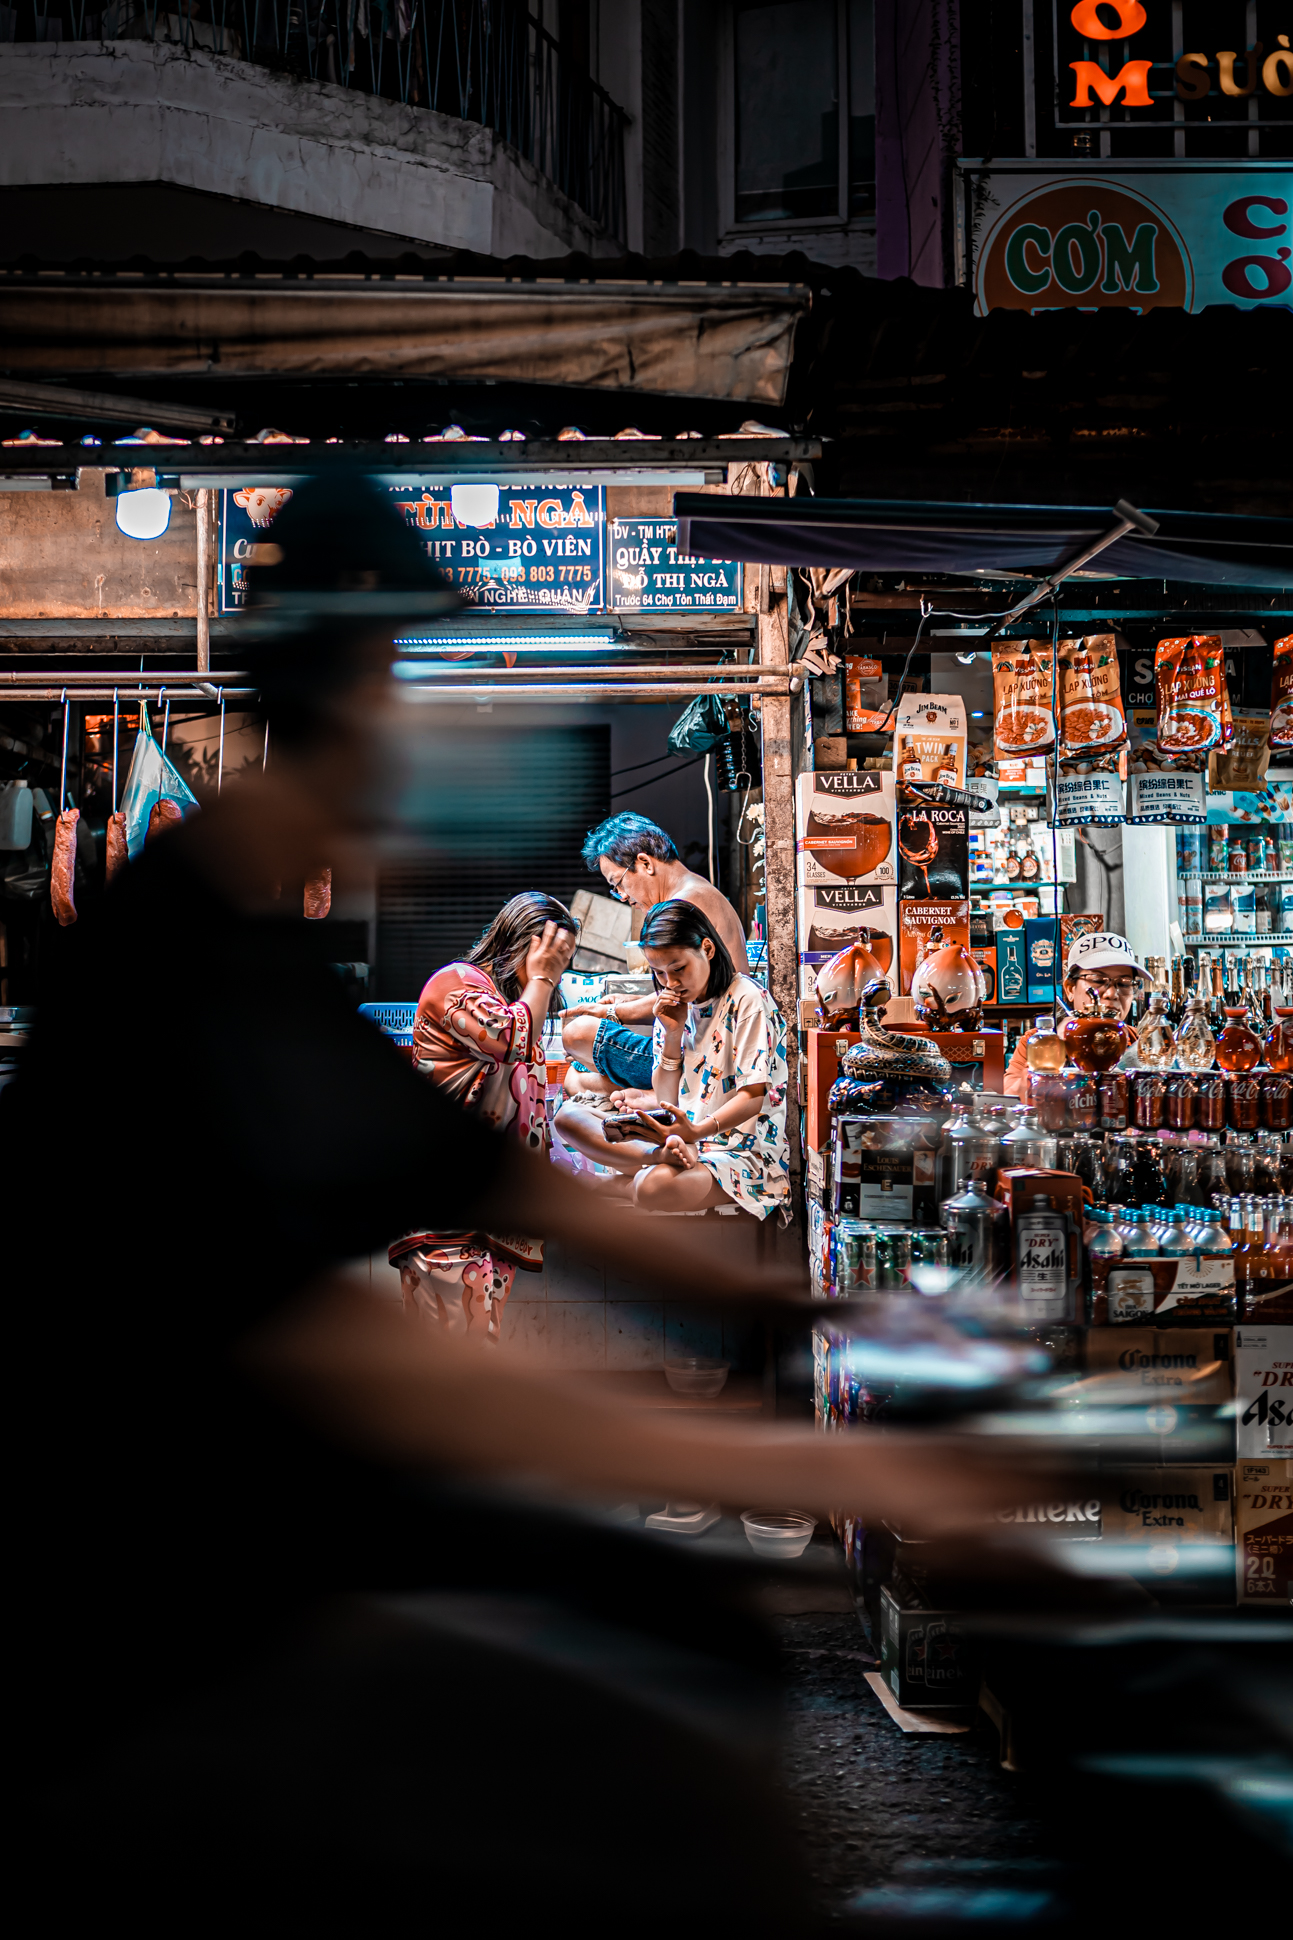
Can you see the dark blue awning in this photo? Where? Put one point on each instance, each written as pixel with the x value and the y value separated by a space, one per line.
pixel 893 536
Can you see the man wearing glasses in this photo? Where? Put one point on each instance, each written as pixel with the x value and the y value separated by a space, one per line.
pixel 640 865
pixel 1101 975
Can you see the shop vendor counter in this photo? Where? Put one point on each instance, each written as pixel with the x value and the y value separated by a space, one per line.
pixel 977 1058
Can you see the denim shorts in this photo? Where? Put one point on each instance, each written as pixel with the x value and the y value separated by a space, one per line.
pixel 623 1055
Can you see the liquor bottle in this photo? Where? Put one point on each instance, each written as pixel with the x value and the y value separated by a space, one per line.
pixel 1213 1187
pixel 1156 1040
pixel 1261 914
pixel 1196 1047
pixel 1238 1047
pixel 1268 1001
pixel 1042 1262
pixel 1217 1007
pixel 1279 1040
pixel 1030 867
pixel 1176 1005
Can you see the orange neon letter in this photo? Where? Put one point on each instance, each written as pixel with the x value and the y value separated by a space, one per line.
pixel 1086 18
pixel 1132 75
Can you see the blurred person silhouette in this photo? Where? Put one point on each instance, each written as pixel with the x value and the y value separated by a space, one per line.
pixel 610 1042
pixel 478 1033
pixel 298 1646
pixel 719 1077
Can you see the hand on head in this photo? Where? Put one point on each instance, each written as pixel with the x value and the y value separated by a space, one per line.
pixel 548 954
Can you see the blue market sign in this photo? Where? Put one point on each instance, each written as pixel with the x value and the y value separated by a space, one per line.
pixel 647 571
pixel 246 520
pixel 517 548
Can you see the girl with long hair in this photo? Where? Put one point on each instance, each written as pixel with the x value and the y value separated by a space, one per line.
pixel 478 1035
pixel 718 1078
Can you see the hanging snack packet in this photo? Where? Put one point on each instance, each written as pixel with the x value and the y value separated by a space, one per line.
pixel 1193 699
pixel 1021 693
pixel 866 697
pixel 1159 790
pixel 1091 716
pixel 1282 694
pixel 1243 764
pixel 1088 792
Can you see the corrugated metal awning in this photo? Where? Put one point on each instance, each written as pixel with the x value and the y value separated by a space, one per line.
pixel 731 341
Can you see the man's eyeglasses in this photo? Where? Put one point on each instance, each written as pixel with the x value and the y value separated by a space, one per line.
pixel 1121 986
pixel 614 887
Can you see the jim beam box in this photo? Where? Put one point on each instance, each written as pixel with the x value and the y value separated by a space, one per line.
pixel 929 740
pixel 1264 1392
pixel 1162 1292
pixel 1264 1532
pixel 833 915
pixel 844 828
pixel 925 1657
pixel 1172 1528
pixel 924 929
pixel 1173 1387
pixel 933 849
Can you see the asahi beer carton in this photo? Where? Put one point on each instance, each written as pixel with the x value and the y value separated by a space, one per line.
pixel 1264 1392
pixel 1264 1533
pixel 924 928
pixel 933 850
pixel 835 914
pixel 929 740
pixel 926 1658
pixel 844 828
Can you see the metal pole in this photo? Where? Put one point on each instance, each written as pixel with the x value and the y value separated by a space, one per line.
pixel 62 778
pixel 220 754
pixel 116 722
pixel 204 580
pixel 1129 520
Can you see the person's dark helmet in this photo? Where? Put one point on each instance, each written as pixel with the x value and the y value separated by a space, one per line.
pixel 340 549
pixel 337 564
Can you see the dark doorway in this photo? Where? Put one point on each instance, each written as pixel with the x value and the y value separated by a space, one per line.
pixel 504 812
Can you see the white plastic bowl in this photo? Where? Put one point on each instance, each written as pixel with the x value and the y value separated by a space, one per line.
pixel 696 1374
pixel 778 1537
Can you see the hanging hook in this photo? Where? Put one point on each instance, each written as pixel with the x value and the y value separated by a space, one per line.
pixel 116 721
pixel 166 723
pixel 62 779
pixel 220 754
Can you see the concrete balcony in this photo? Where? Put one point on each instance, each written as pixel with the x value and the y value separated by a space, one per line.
pixel 83 117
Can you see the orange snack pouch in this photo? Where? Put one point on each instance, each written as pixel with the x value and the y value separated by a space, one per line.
pixel 1021 695
pixel 1282 694
pixel 1193 713
pixel 1091 714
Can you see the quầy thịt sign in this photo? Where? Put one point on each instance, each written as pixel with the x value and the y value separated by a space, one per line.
pixel 648 572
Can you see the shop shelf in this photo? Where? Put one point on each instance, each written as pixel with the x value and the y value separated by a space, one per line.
pixel 1255 875
pixel 1237 939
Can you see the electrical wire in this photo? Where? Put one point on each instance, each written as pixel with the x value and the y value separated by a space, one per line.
pixel 928 613
pixel 116 722
pixel 651 780
pixel 220 751
pixel 709 817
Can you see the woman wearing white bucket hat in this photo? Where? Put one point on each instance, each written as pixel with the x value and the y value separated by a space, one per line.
pixel 1100 975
